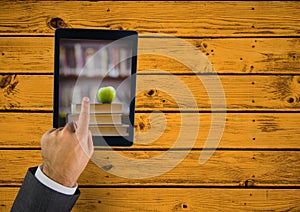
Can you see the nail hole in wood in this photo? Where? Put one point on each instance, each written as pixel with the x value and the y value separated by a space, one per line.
pixel 252 67
pixel 252 83
pixel 253 26
pixel 253 140
pixel 212 50
pixel 253 46
pixel 108 10
pixel 3 53
pixel 253 120
pixel 99 202
pixel 252 8
pixel 163 100
pixel 250 195
pixel 184 206
pixel 207 53
pixel 241 58
pixel 245 203
pixel 253 158
pixel 253 101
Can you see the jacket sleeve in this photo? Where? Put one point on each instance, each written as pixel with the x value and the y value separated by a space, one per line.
pixel 34 196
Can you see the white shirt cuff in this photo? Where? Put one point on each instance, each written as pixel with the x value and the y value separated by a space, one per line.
pixel 52 184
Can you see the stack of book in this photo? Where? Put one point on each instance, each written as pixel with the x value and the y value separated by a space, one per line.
pixel 105 119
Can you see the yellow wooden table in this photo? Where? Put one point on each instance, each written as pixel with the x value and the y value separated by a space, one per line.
pixel 253 46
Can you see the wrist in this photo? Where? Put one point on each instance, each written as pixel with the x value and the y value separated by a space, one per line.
pixel 53 175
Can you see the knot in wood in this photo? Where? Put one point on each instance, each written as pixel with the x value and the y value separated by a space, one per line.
pixel 292 99
pixel 184 205
pixel 141 125
pixel 57 23
pixel 249 183
pixel 107 167
pixel 296 79
pixel 151 92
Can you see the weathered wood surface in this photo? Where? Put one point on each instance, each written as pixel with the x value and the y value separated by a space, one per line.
pixel 26 92
pixel 176 199
pixel 176 18
pixel 259 147
pixel 224 168
pixel 160 131
pixel 238 56
pixel 168 92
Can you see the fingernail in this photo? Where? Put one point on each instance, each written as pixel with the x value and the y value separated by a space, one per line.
pixel 86 99
pixel 71 126
pixel 75 125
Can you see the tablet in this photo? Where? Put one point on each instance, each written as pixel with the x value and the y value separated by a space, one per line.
pixel 99 64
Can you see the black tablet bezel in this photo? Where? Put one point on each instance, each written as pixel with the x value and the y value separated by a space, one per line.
pixel 95 34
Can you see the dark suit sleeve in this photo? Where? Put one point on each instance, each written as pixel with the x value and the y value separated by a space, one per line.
pixel 34 196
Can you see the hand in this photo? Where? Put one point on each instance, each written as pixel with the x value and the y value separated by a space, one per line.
pixel 67 150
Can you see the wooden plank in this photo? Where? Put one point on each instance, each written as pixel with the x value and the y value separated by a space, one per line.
pixel 25 92
pixel 224 168
pixel 176 18
pixel 33 55
pixel 176 199
pixel 160 131
pixel 239 55
pixel 169 92
pixel 241 92
pixel 23 129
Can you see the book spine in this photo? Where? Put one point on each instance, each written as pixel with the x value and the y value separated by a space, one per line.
pixel 108 130
pixel 112 109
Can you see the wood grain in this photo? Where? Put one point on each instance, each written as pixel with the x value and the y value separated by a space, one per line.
pixel 175 199
pixel 24 92
pixel 176 18
pixel 238 56
pixel 224 168
pixel 23 129
pixel 160 131
pixel 256 167
pixel 169 92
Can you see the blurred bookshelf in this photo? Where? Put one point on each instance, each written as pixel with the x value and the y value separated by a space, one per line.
pixel 85 66
pixel 95 58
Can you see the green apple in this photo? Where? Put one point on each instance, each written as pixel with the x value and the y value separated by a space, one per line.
pixel 106 94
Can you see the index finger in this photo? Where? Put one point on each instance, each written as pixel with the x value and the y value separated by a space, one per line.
pixel 84 118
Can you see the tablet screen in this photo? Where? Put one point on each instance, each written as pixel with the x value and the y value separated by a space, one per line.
pixel 99 64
